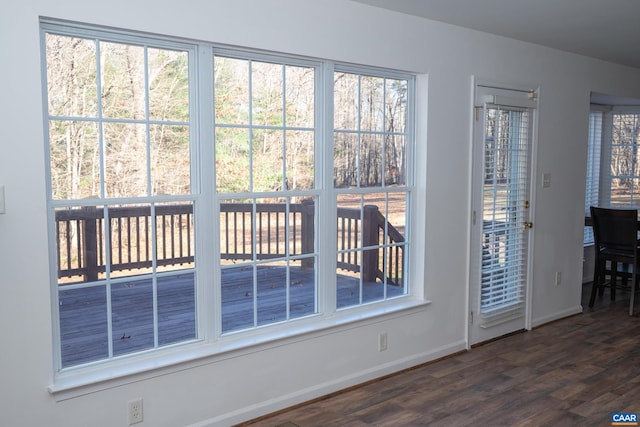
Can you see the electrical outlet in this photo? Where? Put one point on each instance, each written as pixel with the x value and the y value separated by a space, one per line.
pixel 135 411
pixel 382 341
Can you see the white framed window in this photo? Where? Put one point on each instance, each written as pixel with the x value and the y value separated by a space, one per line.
pixel 370 180
pixel 266 192
pixel 199 194
pixel 122 193
pixel 613 163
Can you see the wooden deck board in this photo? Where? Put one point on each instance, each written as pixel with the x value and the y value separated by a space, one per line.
pixel 84 322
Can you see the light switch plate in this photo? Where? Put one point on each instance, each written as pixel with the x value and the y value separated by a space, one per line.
pixel 546 180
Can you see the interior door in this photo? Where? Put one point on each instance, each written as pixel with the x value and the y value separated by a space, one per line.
pixel 501 218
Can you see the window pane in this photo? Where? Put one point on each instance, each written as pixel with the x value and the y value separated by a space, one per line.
pixel 74 160
pixel 349 222
pixel 371 160
pixel 123 81
pixel 267 153
pixel 71 76
pixel 300 96
pixel 80 245
pixel 170 164
pixel 231 90
pixel 168 85
pixel 130 240
pixel 396 106
pixel 300 160
pixel 345 99
pixel 176 308
pixel 625 161
pixel 395 160
pixel 345 160
pixel 236 230
pixel 175 236
pixel 302 288
pixel 272 293
pixel 125 160
pixel 83 325
pixel 372 104
pixel 390 235
pixel 271 235
pixel 233 158
pixel 267 93
pixel 132 316
pixel 625 192
pixel 238 300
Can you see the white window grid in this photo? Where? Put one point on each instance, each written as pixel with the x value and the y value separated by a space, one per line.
pixel 208 323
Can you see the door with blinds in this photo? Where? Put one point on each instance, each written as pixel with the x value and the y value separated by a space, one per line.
pixel 501 217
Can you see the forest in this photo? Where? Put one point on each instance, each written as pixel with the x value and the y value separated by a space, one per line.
pixel 121 127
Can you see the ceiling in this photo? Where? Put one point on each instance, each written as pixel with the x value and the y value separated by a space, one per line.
pixel 604 29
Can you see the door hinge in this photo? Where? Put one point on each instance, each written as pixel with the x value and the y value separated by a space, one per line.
pixel 471 318
pixel 478 109
pixel 474 217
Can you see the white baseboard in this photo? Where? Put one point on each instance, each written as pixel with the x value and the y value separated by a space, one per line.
pixel 556 316
pixel 319 390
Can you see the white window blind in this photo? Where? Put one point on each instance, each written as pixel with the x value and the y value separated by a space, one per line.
pixel 505 205
pixel 593 169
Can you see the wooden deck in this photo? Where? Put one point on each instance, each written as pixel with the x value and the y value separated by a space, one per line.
pixel 83 312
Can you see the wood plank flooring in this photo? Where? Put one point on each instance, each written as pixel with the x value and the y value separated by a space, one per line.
pixel 573 372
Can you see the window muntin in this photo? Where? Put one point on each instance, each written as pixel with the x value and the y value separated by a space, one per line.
pixel 370 147
pixel 124 192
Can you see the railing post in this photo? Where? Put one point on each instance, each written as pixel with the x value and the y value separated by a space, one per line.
pixel 370 238
pixel 307 231
pixel 90 244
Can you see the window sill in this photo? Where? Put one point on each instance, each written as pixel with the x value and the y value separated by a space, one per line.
pixel 79 381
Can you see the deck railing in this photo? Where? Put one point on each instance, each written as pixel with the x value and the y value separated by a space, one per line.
pixel 81 244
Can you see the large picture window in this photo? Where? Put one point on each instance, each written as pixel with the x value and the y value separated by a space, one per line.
pixel 193 202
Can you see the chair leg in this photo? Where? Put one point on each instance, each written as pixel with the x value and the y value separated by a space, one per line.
pixel 633 291
pixel 598 271
pixel 603 273
pixel 614 279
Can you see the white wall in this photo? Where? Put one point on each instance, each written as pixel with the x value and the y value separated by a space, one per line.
pixel 249 383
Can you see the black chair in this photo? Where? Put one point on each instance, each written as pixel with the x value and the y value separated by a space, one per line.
pixel 615 234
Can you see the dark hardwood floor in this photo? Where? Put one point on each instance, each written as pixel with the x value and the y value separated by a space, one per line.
pixel 573 372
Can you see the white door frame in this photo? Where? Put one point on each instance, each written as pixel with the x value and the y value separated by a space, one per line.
pixel 475 229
